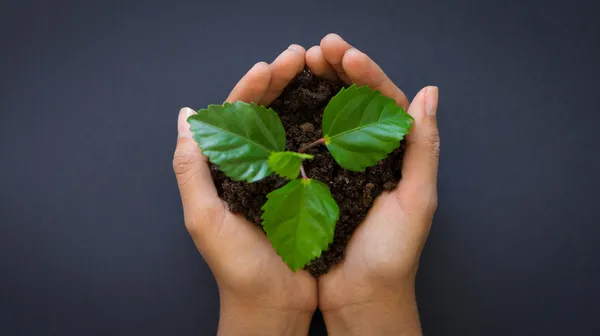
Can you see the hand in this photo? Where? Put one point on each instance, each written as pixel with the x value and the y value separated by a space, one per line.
pixel 259 294
pixel 372 291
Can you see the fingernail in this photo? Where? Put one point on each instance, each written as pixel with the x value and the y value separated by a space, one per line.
pixel 295 47
pixel 183 127
pixel 431 100
pixel 332 36
pixel 258 65
pixel 352 50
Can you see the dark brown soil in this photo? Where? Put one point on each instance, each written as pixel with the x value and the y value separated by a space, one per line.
pixel 300 107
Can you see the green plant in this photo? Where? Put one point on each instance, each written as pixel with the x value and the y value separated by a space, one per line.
pixel 247 142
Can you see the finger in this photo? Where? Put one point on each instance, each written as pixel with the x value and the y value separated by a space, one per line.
pixel 417 188
pixel 362 70
pixel 317 63
pixel 253 86
pixel 284 69
pixel 333 48
pixel 201 203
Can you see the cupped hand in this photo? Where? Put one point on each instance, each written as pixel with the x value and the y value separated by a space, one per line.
pixel 371 292
pixel 258 292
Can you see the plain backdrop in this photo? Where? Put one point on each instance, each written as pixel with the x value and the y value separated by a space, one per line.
pixel 92 240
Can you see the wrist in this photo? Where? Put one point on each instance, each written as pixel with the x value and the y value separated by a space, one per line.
pixel 240 319
pixel 394 315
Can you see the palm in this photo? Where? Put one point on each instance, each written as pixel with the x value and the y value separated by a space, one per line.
pixel 244 264
pixel 249 265
pixel 385 246
pixel 382 252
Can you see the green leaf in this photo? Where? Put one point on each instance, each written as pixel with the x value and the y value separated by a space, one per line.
pixel 299 219
pixel 239 137
pixel 361 127
pixel 287 164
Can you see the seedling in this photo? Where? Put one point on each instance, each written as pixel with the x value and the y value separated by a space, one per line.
pixel 247 142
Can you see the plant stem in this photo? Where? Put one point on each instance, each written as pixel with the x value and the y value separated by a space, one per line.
pixel 304 149
pixel 311 145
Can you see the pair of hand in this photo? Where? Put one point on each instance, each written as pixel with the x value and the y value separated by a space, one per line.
pixel 371 291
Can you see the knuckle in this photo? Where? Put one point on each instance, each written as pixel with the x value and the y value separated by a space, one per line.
pixel 183 163
pixel 433 142
pixel 432 204
pixel 430 147
pixel 422 203
pixel 427 199
pixel 208 214
pixel 427 204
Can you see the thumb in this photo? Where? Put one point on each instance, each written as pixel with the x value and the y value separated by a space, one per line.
pixel 201 203
pixel 417 191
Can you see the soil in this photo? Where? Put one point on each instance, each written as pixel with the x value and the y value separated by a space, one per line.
pixel 300 108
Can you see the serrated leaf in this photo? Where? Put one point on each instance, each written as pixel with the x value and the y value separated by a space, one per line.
pixel 239 137
pixel 287 164
pixel 299 219
pixel 361 127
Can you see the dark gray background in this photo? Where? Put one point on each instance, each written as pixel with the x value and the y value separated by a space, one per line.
pixel 92 240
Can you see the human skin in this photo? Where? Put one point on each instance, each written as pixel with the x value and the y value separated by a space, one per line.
pixel 372 290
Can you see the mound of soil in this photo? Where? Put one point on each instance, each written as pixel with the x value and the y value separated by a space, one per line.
pixel 300 108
